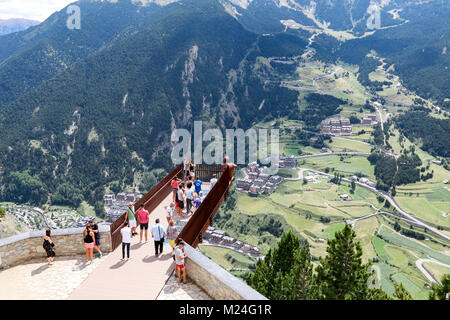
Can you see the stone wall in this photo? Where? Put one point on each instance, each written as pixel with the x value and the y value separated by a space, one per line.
pixel 216 281
pixel 68 242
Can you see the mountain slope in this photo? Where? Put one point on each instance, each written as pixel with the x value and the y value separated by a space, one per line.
pixel 27 58
pixel 15 25
pixel 111 114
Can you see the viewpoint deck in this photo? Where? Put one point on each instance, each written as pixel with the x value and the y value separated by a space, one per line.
pixel 142 277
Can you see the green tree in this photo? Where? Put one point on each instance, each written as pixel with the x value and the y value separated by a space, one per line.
pixel 342 275
pixel 401 293
pixel 353 186
pixel 148 181
pixel 99 209
pixel 300 282
pixel 2 212
pixel 270 274
pixel 441 292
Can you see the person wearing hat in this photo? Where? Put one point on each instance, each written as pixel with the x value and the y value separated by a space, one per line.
pixel 180 258
pixel 131 219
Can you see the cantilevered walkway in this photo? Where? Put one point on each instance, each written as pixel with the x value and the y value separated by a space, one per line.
pixel 144 275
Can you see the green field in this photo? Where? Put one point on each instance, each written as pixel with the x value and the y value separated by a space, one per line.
pixel 343 144
pixel 227 258
pixel 350 165
pixel 436 270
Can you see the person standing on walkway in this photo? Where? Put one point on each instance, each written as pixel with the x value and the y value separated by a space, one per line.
pixel 143 221
pixel 89 243
pixel 131 218
pixel 126 240
pixel 189 197
pixel 180 257
pixel 94 228
pixel 174 185
pixel 213 181
pixel 172 234
pixel 198 185
pixel 180 200
pixel 158 233
pixel 48 246
pixel 169 212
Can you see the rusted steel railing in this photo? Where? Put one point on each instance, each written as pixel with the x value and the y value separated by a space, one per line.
pixel 151 200
pixel 205 171
pixel 195 228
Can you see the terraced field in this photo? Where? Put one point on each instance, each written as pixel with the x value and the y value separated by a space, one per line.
pixel 349 166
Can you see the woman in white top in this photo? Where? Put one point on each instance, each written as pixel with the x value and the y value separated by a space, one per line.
pixel 169 212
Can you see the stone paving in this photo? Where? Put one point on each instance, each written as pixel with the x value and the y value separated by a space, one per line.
pixel 174 290
pixel 36 280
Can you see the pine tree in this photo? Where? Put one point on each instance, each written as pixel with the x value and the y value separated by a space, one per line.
pixel 270 275
pixel 401 293
pixel 441 292
pixel 342 275
pixel 300 282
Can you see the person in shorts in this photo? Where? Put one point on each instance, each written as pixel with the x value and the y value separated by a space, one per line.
pixel 180 257
pixel 174 185
pixel 94 228
pixel 89 243
pixel 172 234
pixel 131 218
pixel 143 222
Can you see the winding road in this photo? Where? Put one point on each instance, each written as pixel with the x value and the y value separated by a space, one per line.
pixel 426 273
pixel 392 202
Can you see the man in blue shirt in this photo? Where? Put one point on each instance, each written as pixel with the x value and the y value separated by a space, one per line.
pixel 158 233
pixel 198 185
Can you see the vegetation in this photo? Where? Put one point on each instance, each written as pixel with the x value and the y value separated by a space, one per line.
pixel 441 292
pixel 319 107
pixel 287 272
pixel 432 133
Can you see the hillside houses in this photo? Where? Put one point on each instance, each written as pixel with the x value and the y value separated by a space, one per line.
pixel 370 119
pixel 222 239
pixel 257 182
pixel 116 205
pixel 336 127
pixel 287 163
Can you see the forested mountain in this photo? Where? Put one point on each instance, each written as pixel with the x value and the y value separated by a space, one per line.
pixel 15 25
pixel 112 113
pixel 87 108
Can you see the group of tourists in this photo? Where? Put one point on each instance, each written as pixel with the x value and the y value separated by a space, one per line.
pixel 159 234
pixel 91 239
pixel 187 197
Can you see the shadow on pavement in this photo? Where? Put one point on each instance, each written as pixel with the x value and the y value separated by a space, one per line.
pixel 39 270
pixel 119 264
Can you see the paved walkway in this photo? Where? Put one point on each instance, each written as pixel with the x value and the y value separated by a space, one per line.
pixel 142 277
pixel 36 280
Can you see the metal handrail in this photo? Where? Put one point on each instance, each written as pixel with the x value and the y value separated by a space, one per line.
pixel 150 200
pixel 195 228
